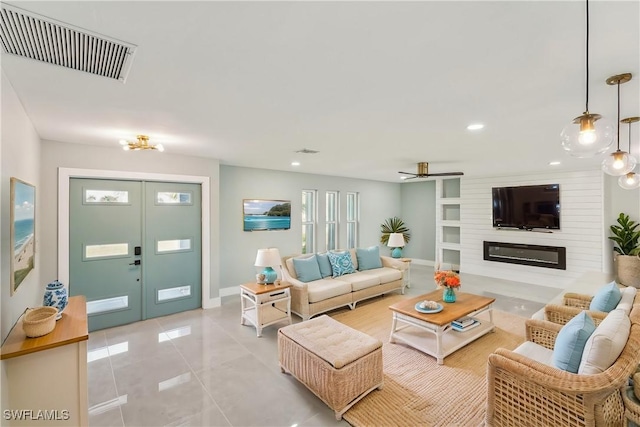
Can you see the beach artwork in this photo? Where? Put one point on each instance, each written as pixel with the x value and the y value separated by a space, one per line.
pixel 23 231
pixel 266 215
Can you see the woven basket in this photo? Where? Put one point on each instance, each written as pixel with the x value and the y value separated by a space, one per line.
pixel 628 269
pixel 39 321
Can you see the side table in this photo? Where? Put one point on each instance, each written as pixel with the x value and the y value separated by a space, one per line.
pixel 264 305
pixel 407 269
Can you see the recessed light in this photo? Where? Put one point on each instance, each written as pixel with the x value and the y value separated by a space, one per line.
pixel 403 178
pixel 475 126
pixel 295 163
pixel 554 163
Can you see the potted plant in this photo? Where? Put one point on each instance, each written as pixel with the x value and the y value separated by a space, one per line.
pixel 626 238
pixel 394 225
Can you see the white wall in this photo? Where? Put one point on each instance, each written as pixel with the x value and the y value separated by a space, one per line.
pixel 20 158
pixel 58 154
pixel 378 201
pixel 581 222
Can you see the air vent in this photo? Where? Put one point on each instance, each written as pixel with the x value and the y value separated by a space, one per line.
pixel 307 151
pixel 33 36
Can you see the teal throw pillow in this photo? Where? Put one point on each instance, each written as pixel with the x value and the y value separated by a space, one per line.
pixel 307 269
pixel 607 298
pixel 325 265
pixel 341 263
pixel 368 258
pixel 570 342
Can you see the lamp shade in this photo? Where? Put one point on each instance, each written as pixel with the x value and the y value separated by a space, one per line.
pixel 587 136
pixel 618 163
pixel 269 257
pixel 396 240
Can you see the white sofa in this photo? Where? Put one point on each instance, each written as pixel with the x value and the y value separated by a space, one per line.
pixel 311 298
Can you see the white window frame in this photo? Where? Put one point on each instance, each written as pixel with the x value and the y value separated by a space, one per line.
pixel 353 222
pixel 331 219
pixel 310 224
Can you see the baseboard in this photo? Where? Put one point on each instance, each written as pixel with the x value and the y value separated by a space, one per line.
pixel 230 291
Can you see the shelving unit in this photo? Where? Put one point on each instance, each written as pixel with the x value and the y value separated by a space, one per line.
pixel 448 205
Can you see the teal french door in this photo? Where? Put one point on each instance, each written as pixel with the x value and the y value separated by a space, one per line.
pixel 135 249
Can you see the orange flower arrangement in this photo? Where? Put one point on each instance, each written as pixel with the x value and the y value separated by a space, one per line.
pixel 448 279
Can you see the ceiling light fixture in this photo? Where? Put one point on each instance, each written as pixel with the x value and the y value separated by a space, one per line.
pixel 588 134
pixel 554 163
pixel 294 163
pixel 619 162
pixel 475 126
pixel 631 180
pixel 141 144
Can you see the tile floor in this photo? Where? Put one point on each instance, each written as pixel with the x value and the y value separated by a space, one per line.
pixel 202 368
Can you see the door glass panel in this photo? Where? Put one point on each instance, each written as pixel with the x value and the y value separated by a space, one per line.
pixel 104 251
pixel 173 245
pixel 173 293
pixel 106 196
pixel 173 198
pixel 107 304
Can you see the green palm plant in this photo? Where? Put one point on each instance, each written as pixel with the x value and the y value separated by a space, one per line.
pixel 393 225
pixel 626 236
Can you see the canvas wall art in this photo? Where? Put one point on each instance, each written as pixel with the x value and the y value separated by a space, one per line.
pixel 23 231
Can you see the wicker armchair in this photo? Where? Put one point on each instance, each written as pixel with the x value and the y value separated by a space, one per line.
pixel 525 392
pixel 572 305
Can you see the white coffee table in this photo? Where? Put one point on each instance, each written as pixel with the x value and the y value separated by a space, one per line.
pixel 432 333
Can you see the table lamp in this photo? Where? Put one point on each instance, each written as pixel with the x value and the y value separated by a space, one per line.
pixel 268 258
pixel 396 241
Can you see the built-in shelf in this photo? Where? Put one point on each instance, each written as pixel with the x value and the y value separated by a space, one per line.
pixel 448 224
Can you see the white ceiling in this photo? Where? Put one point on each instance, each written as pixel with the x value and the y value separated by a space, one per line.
pixel 374 86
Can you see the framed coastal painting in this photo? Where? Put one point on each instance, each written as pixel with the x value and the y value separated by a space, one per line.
pixel 260 215
pixel 23 231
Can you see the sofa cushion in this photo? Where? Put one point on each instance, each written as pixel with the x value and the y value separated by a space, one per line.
pixel 325 265
pixel 361 280
pixel 320 290
pixel 341 263
pixel 291 268
pixel 386 274
pixel 607 298
pixel 628 297
pixel 606 343
pixel 536 352
pixel 368 258
pixel 307 269
pixel 570 342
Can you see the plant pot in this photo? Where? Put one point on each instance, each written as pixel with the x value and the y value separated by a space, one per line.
pixel 627 268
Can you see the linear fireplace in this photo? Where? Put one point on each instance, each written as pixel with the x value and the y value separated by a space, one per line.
pixel 536 255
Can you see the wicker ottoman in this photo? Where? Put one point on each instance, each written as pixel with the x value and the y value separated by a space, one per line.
pixel 338 364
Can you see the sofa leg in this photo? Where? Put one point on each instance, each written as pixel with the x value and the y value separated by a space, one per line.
pixel 352 305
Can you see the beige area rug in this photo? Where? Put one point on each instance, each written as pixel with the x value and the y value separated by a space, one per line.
pixel 417 391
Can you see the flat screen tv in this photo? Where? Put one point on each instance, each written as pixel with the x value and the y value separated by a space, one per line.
pixel 266 214
pixel 527 207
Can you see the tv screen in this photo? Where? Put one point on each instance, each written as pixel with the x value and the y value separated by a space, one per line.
pixel 527 207
pixel 266 215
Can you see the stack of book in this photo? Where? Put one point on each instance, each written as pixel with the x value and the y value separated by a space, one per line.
pixel 464 324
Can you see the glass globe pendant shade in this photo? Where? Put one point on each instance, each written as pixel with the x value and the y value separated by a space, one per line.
pixel 587 136
pixel 629 181
pixel 618 163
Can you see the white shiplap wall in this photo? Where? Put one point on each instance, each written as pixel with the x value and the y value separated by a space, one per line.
pixel 581 223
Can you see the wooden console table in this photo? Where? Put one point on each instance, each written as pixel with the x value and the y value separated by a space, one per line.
pixel 47 376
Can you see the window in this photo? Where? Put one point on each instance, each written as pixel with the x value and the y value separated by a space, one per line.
pixel 332 220
pixel 172 198
pixel 353 216
pixel 106 197
pixel 308 221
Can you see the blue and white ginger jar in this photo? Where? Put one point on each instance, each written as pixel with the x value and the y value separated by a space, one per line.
pixel 55 295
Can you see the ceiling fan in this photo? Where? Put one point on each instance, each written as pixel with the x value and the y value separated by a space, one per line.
pixel 423 172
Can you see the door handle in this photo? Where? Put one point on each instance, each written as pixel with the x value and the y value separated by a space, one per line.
pixel 136 262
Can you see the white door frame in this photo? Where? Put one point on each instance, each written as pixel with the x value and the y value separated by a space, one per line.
pixel 64 177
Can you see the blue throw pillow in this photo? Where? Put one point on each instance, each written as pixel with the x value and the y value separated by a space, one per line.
pixel 307 269
pixel 570 342
pixel 325 265
pixel 341 263
pixel 607 298
pixel 368 258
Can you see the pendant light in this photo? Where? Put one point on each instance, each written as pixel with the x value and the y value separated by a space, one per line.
pixel 588 134
pixel 631 180
pixel 619 162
